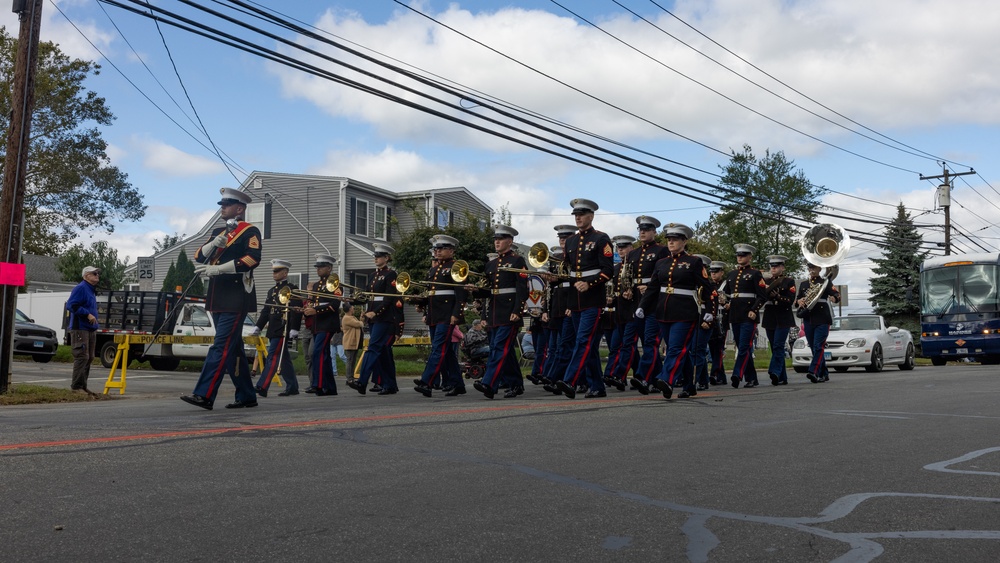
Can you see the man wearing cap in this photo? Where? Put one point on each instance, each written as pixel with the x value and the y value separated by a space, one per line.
pixel 82 308
pixel 561 335
pixel 624 313
pixel 274 315
pixel 323 307
pixel 642 261
pixel 816 322
pixel 444 306
pixel 384 314
pixel 703 332
pixel 673 299
pixel 228 259
pixel 778 318
pixel 720 327
pixel 748 292
pixel 505 293
pixel 590 264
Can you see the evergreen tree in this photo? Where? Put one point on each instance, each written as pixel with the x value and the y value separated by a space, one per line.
pixel 895 286
pixel 784 193
pixel 180 273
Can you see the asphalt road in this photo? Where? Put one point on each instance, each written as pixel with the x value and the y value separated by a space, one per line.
pixel 897 466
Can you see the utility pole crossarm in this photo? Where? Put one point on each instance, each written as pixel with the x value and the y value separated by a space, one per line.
pixel 944 195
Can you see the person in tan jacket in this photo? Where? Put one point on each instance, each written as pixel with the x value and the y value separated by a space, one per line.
pixel 351 326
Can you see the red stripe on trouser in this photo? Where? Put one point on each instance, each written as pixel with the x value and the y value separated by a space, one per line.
pixel 322 358
pixel 272 368
pixel 656 353
pixel 683 354
pixel 746 358
pixel 217 378
pixel 503 357
pixel 586 353
pixel 444 350
pixel 815 366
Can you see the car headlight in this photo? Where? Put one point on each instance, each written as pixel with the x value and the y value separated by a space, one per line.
pixel 799 344
pixel 856 343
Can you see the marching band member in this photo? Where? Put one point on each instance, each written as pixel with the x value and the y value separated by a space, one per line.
pixel 590 265
pixel 643 259
pixel 273 317
pixel 817 323
pixel 748 293
pixel 672 299
pixel 506 293
pixel 624 313
pixel 324 308
pixel 778 318
pixel 720 327
pixel 384 314
pixel 703 332
pixel 228 259
pixel 561 336
pixel 444 306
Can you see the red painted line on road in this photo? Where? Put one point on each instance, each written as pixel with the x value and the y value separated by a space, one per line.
pixel 374 418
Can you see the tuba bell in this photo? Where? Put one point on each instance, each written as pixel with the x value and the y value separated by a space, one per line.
pixel 824 245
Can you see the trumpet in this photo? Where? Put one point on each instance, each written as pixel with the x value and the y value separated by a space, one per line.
pixel 280 306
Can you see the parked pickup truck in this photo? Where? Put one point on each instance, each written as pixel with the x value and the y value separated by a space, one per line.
pixel 155 312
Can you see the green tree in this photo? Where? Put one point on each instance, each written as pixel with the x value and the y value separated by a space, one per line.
pixel 895 286
pixel 412 249
pixel 100 254
pixel 764 194
pixel 168 241
pixel 180 274
pixel 70 183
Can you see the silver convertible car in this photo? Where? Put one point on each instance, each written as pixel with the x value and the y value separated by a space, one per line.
pixel 860 341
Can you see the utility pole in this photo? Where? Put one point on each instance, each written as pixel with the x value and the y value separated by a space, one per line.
pixel 944 200
pixel 16 167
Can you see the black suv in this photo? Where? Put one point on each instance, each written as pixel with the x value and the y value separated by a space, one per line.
pixel 34 340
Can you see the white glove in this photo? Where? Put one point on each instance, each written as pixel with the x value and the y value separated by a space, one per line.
pixel 255 332
pixel 640 314
pixel 708 317
pixel 216 269
pixel 217 242
pixel 293 334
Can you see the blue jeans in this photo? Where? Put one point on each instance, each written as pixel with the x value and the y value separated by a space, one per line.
pixel 816 337
pixel 271 366
pixel 226 356
pixel 778 337
pixel 585 361
pixel 744 369
pixel 379 356
pixel 337 351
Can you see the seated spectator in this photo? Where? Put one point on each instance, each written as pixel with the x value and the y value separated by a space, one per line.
pixel 476 342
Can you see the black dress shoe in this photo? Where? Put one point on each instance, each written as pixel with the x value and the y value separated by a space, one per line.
pixel 325 393
pixel 774 379
pixel 389 392
pixel 423 390
pixel 198 401
pixel 357 386
pixel 261 391
pixel 436 387
pixel 812 377
pixel 683 395
pixel 783 382
pixel 640 386
pixel 750 384
pixel 581 388
pixel 661 385
pixel 510 394
pixel 310 390
pixel 484 389
pixel 288 393
pixel 448 388
pixel 455 391
pixel 595 394
pixel 702 387
pixel 824 379
pixel 566 388
pixel 618 384
pixel 735 381
pixel 534 379
pixel 241 404
pixel 551 388
pixel 376 388
pixel 418 382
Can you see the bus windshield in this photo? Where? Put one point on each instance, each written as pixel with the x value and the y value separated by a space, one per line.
pixel 969 288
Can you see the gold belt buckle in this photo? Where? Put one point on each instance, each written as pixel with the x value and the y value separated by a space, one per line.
pixel 670 290
pixel 495 291
pixel 577 275
pixel 430 292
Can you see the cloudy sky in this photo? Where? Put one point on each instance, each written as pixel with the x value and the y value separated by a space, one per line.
pixel 863 96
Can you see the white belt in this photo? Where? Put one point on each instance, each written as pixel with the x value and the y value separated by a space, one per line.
pixel 823 300
pixel 585 274
pixel 564 284
pixel 503 291
pixel 746 295
pixel 673 290
pixel 441 292
pixel 645 280
pixel 378 298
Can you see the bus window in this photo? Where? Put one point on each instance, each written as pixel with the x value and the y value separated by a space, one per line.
pixel 979 287
pixel 938 287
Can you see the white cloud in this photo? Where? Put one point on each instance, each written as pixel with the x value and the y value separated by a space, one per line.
pixel 172 162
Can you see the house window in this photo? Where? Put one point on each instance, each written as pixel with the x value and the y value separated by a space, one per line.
pixel 259 215
pixel 482 224
pixel 380 221
pixel 443 218
pixel 361 217
pixel 361 280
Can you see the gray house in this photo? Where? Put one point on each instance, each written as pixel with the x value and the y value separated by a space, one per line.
pixel 300 216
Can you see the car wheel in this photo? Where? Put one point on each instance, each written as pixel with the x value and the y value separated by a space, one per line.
pixel 876 365
pixel 108 352
pixel 801 369
pixel 840 369
pixel 42 359
pixel 910 361
pixel 938 361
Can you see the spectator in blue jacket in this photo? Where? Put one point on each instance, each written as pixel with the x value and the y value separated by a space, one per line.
pixel 82 306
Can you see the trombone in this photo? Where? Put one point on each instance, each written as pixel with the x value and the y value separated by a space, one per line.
pixel 538 257
pixel 460 272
